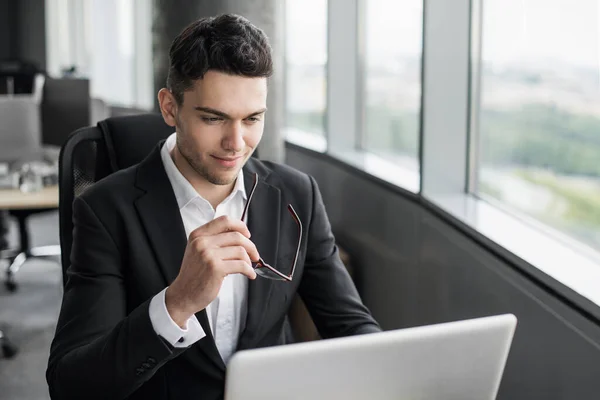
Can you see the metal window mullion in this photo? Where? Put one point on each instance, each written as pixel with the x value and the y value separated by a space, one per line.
pixel 361 75
pixel 445 97
pixel 476 61
pixel 342 71
pixel 284 68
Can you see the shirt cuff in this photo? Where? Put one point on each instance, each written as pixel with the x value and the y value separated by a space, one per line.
pixel 165 327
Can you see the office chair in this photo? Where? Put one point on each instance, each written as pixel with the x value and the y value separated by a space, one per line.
pixel 16 76
pixel 20 135
pixel 20 98
pixel 9 350
pixel 93 153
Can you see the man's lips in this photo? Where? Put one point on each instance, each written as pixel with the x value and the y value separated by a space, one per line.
pixel 227 161
pixel 227 158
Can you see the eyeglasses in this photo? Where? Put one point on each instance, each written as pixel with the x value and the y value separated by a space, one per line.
pixel 261 267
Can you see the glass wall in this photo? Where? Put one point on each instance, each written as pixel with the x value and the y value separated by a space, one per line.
pixel 306 61
pixel 539 117
pixel 392 81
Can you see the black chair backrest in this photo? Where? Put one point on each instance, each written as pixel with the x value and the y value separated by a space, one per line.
pixel 22 73
pixel 93 153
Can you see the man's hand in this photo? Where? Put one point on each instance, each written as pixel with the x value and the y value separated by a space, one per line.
pixel 214 250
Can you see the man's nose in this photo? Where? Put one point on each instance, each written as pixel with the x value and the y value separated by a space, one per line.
pixel 234 140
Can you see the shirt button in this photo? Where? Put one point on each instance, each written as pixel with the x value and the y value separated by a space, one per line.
pixel 181 340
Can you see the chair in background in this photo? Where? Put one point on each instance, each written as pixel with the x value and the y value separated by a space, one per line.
pixel 20 136
pixel 20 131
pixel 20 142
pixel 17 76
pixel 9 350
pixel 66 107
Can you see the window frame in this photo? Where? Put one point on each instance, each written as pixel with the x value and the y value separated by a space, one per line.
pixel 346 87
pixel 449 119
pixel 447 188
pixel 361 79
pixel 314 141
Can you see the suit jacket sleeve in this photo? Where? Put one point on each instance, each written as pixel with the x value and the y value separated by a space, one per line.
pixel 326 287
pixel 98 350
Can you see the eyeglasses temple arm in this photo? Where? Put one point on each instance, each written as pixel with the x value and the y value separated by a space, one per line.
pixel 250 196
pixel 297 219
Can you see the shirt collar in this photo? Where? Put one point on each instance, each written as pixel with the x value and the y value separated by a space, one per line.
pixel 183 189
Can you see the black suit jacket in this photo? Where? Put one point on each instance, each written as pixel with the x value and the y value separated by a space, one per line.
pixel 128 244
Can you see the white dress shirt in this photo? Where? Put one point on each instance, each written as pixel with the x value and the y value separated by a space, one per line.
pixel 227 313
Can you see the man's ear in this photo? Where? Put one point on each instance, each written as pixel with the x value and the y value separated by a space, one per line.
pixel 168 106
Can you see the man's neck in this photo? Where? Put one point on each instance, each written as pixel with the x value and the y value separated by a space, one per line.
pixel 214 194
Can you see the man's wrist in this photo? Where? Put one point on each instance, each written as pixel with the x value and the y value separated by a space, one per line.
pixel 184 334
pixel 176 309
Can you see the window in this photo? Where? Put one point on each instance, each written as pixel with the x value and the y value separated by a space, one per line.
pixel 107 41
pixel 392 79
pixel 306 60
pixel 539 113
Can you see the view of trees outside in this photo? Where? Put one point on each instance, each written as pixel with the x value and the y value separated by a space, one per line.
pixel 539 117
pixel 306 62
pixel 392 82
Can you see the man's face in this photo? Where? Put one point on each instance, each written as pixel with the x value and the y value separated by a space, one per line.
pixel 219 124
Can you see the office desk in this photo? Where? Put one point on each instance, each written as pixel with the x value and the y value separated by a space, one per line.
pixel 14 199
pixel 21 205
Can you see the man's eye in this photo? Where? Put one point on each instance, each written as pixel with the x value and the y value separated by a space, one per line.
pixel 212 120
pixel 253 119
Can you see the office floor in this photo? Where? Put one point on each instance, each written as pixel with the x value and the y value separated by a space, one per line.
pixel 29 315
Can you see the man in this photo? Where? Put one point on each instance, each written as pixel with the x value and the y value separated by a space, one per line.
pixel 148 314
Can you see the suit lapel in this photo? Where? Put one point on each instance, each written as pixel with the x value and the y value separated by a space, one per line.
pixel 263 223
pixel 159 212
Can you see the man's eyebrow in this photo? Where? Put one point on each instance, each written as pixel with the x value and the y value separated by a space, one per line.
pixel 212 111
pixel 224 115
pixel 262 110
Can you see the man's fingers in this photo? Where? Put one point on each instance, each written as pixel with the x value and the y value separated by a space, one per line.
pixel 236 239
pixel 220 225
pixel 233 253
pixel 239 267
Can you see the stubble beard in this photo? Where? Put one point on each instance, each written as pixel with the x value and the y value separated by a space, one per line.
pixel 195 161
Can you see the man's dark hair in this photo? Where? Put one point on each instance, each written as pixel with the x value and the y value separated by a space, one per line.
pixel 227 43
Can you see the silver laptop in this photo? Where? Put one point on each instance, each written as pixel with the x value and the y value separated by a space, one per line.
pixel 458 360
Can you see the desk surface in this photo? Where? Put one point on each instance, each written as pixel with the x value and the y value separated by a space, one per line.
pixel 14 199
